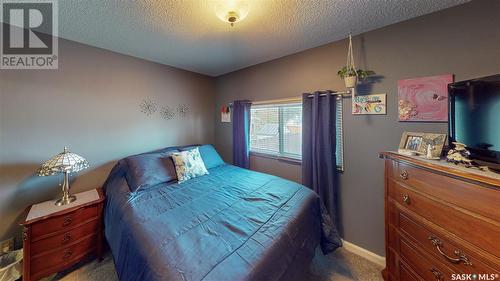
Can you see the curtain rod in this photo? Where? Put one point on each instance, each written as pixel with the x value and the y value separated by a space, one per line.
pixel 343 94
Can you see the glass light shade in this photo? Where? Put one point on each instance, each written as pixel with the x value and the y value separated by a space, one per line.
pixel 231 11
pixel 63 162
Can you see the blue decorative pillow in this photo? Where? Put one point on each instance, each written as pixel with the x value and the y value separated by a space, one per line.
pixel 149 169
pixel 188 164
pixel 209 155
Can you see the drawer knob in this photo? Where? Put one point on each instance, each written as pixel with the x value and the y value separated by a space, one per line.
pixel 460 257
pixel 404 174
pixel 437 274
pixel 67 221
pixel 406 199
pixel 67 254
pixel 66 238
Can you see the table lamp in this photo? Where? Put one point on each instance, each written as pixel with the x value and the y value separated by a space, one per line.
pixel 65 162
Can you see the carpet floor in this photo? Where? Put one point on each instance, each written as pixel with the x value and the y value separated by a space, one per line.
pixel 338 266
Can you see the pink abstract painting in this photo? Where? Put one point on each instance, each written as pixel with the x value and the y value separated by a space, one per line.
pixel 424 99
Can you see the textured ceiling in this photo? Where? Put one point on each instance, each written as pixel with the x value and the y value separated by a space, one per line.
pixel 187 34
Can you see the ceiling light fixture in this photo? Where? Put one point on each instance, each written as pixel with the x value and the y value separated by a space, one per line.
pixel 231 11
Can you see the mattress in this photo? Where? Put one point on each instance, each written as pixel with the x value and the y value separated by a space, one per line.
pixel 232 224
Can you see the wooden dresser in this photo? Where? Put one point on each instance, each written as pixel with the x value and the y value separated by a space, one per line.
pixel 56 241
pixel 440 221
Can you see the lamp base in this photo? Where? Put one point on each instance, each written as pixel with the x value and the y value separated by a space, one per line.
pixel 65 201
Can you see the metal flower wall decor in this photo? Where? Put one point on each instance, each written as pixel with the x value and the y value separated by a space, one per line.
pixel 167 113
pixel 182 109
pixel 149 107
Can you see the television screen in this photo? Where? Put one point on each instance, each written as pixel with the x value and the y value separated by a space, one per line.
pixel 475 116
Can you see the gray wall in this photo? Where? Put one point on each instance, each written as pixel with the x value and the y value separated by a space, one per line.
pixel 463 41
pixel 91 105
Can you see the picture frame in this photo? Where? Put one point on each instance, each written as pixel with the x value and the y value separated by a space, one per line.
pixel 428 145
pixel 369 104
pixel 424 99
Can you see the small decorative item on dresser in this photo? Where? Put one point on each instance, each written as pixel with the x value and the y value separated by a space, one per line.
pixel 433 145
pixel 428 145
pixel 410 143
pixel 459 155
pixel 65 162
pixel 57 237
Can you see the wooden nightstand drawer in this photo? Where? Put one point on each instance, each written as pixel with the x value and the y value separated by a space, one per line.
pixel 64 256
pixel 63 222
pixel 65 238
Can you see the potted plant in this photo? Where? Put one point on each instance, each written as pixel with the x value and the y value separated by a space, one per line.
pixel 351 75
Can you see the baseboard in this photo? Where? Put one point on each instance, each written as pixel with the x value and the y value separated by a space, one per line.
pixel 355 249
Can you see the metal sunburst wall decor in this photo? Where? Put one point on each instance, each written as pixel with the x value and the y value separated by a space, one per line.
pixel 167 113
pixel 182 109
pixel 148 106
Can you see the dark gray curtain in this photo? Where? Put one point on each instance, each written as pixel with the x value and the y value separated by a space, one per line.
pixel 319 165
pixel 241 133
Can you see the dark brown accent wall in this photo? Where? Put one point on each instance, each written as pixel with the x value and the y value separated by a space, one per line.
pixel 464 40
pixel 90 104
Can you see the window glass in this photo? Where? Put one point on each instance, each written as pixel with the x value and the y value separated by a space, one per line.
pixel 276 129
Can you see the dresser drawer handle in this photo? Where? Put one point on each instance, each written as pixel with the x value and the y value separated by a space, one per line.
pixel 461 257
pixel 67 221
pixel 66 238
pixel 403 174
pixel 67 254
pixel 406 199
pixel 437 274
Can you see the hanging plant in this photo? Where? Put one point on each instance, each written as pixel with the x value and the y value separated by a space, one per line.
pixel 349 73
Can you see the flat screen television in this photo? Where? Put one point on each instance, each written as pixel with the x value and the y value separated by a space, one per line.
pixel 474 119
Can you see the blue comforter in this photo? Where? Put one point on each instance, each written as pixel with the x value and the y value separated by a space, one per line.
pixel 233 224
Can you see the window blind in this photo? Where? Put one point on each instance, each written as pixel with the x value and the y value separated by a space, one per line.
pixel 339 134
pixel 276 129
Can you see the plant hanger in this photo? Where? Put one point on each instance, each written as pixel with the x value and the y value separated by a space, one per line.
pixel 350 58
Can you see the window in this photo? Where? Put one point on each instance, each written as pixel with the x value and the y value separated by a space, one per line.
pixel 276 130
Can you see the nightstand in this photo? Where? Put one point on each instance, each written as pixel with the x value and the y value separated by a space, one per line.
pixel 57 237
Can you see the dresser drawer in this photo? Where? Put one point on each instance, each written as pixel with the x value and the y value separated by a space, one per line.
pixel 478 231
pixel 451 252
pixel 406 274
pixel 428 268
pixel 454 191
pixel 63 222
pixel 64 238
pixel 63 256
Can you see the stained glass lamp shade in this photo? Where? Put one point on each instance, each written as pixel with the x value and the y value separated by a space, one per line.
pixel 65 162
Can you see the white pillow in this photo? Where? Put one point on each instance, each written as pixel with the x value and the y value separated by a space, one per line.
pixel 189 164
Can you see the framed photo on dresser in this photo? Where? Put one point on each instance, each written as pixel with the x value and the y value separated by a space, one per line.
pixel 429 145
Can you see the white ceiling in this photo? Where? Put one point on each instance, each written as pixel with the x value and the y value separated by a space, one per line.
pixel 187 34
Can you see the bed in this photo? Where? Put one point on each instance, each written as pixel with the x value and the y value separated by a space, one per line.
pixel 232 224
